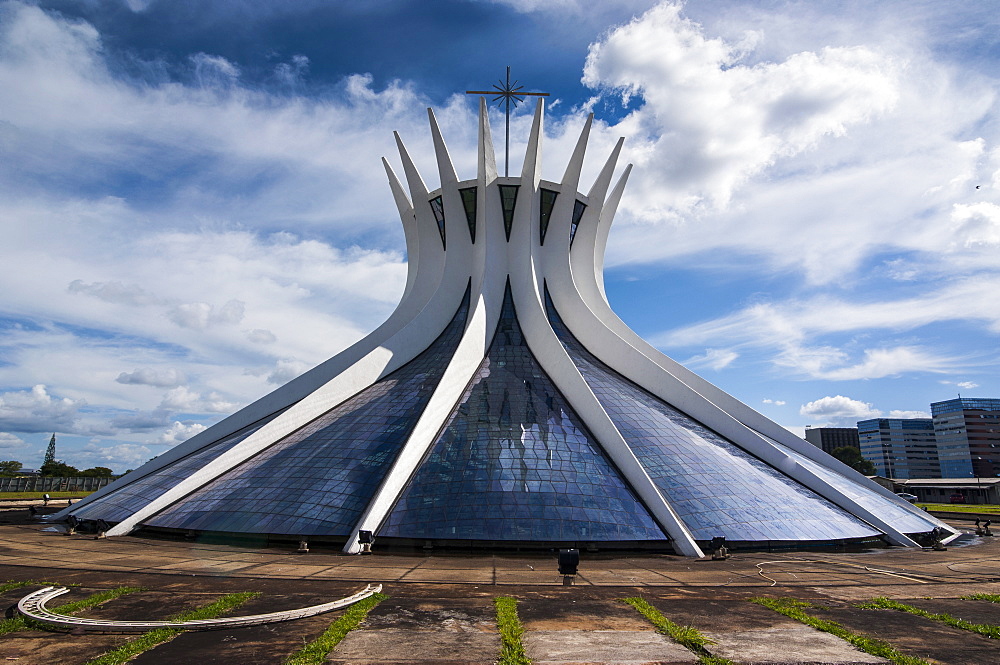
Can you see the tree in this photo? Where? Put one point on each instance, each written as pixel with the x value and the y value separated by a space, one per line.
pixel 97 472
pixel 59 469
pixel 851 456
pixel 9 468
pixel 50 452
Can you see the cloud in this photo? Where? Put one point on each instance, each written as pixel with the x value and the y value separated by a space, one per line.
pixel 710 120
pixel 839 410
pixel 967 385
pixel 285 370
pixel 258 336
pixel 161 378
pixel 776 402
pixel 114 292
pixel 976 224
pixel 118 456
pixel 895 413
pixel 179 432
pixel 183 399
pixel 9 441
pixel 200 315
pixel 36 410
pixel 714 358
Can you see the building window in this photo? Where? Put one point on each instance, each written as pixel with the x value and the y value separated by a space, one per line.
pixel 469 203
pixel 545 205
pixel 508 199
pixel 437 206
pixel 578 208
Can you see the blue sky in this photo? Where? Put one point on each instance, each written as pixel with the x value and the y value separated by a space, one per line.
pixel 194 211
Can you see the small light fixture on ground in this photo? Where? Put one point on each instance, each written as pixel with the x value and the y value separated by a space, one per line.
pixel 719 550
pixel 365 538
pixel 569 559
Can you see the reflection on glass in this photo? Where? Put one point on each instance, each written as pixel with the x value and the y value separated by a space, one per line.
pixel 318 480
pixel 716 487
pixel 515 463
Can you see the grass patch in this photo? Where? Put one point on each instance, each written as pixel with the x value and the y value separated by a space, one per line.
pixel 883 603
pixel 985 508
pixel 315 652
pixel 511 630
pixel 41 495
pixel 992 597
pixel 684 635
pixel 21 622
pixel 794 610
pixel 147 641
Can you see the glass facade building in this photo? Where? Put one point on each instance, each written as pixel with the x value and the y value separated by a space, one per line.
pixel 967 430
pixel 900 448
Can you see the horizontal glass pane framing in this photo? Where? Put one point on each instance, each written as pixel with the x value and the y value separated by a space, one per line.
pixel 902 518
pixel 515 463
pixel 717 488
pixel 123 503
pixel 318 480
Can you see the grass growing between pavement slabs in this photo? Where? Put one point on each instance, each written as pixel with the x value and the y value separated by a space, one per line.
pixel 147 641
pixel 315 652
pixel 793 609
pixel 883 603
pixel 10 585
pixel 511 630
pixel 20 622
pixel 992 597
pixel 686 636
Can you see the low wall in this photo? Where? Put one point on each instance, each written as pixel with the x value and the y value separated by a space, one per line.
pixel 52 484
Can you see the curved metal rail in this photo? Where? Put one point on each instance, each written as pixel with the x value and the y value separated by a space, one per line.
pixel 33 606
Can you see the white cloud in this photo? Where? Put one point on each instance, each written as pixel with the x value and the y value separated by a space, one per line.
pixel 114 292
pixel 976 224
pixel 118 456
pixel 145 376
pixel 188 401
pixel 967 385
pixel 714 358
pixel 259 336
pixel 10 441
pixel 285 370
pixel 895 413
pixel 839 410
pixel 36 410
pixel 200 315
pixel 179 432
pixel 776 402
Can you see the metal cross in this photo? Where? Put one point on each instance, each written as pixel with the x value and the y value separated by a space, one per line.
pixel 507 92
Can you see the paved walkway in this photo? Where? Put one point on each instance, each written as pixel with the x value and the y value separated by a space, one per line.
pixel 440 607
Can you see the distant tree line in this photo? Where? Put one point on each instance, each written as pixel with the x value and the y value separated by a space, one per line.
pixel 56 468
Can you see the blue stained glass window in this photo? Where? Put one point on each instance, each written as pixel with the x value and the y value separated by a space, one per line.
pixel 903 518
pixel 318 480
pixel 716 487
pixel 515 463
pixel 123 503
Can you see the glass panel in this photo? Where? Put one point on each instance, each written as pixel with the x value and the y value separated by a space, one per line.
pixel 470 203
pixel 123 503
pixel 546 201
pixel 716 487
pixel 578 208
pixel 437 206
pixel 904 517
pixel 515 463
pixel 318 480
pixel 508 199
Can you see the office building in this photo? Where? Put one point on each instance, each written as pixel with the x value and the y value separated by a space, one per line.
pixel 900 448
pixel 829 438
pixel 968 437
